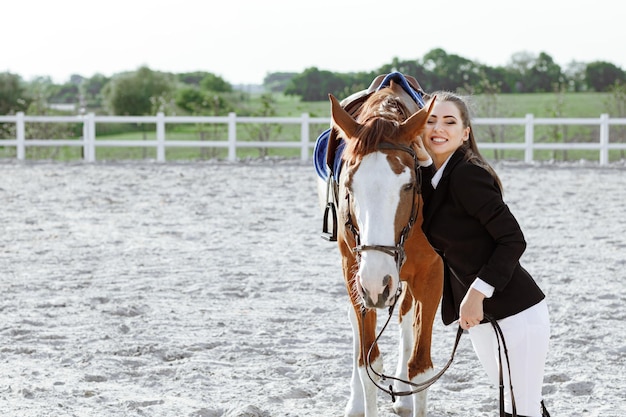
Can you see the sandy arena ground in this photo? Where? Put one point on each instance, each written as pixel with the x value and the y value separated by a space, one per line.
pixel 204 290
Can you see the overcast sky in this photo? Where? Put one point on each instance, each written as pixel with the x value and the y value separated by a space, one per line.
pixel 244 40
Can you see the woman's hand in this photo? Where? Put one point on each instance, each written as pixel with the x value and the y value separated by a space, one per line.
pixel 420 150
pixel 471 309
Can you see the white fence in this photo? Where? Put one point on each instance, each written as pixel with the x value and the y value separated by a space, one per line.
pixel 89 142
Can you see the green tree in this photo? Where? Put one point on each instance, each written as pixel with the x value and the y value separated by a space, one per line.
pixel 190 99
pixel 192 78
pixel 544 75
pixel 142 92
pixel 601 76
pixel 91 91
pixel 40 90
pixel 212 82
pixel 451 72
pixel 498 79
pixel 314 85
pixel 198 102
pixel 276 82
pixel 14 96
pixel 64 93
pixel 520 65
pixel 575 76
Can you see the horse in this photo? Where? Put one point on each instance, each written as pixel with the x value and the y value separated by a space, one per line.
pixel 386 258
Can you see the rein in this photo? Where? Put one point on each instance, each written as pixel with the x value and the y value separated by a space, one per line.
pixel 418 387
pixel 423 385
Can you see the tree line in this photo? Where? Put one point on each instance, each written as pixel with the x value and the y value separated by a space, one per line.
pixel 146 91
pixel 438 70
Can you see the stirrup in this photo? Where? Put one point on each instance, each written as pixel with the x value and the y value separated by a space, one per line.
pixel 329 232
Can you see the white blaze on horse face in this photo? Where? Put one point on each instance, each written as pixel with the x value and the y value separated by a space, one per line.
pixel 376 190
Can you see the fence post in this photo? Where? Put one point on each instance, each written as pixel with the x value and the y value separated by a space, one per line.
pixel 160 133
pixel 92 136
pixel 604 139
pixel 304 137
pixel 529 132
pixel 85 138
pixel 232 136
pixel 89 138
pixel 20 130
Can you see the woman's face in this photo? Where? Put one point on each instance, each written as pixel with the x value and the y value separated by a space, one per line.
pixel 444 132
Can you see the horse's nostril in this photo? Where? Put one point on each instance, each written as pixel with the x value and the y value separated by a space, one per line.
pixel 387 283
pixel 386 280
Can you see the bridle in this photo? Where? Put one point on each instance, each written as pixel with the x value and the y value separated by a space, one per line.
pixel 397 251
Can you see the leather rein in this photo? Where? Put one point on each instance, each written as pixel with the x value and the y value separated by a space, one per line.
pixel 423 385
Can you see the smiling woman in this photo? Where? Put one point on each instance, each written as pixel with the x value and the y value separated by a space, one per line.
pixel 480 242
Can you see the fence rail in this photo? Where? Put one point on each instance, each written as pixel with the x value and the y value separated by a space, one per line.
pixel 89 142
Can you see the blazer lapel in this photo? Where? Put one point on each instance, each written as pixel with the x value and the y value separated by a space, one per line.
pixel 440 193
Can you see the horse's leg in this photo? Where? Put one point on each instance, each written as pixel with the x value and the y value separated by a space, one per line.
pixel 362 391
pixel 420 366
pixel 368 335
pixel 414 363
pixel 428 294
pixel 356 403
pixel 403 405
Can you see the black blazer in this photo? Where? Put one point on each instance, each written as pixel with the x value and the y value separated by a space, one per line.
pixel 469 225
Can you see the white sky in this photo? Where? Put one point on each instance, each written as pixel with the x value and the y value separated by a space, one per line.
pixel 244 40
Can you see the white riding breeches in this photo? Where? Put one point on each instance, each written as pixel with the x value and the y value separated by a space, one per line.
pixel 527 336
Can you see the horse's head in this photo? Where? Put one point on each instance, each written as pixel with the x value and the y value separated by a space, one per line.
pixel 379 188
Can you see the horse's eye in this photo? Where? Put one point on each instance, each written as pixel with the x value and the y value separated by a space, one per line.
pixel 408 186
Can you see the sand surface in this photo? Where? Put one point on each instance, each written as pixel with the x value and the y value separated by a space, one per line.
pixel 204 289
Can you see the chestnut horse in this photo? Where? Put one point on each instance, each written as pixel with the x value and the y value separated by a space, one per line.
pixel 382 244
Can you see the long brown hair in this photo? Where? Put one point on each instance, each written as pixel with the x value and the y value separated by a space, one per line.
pixel 469 147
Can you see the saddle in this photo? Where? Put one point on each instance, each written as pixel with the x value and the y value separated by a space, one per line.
pixel 329 146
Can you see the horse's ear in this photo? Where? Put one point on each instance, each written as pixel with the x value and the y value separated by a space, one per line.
pixel 432 104
pixel 342 119
pixel 412 126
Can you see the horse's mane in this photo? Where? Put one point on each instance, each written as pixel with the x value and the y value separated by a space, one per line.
pixel 379 118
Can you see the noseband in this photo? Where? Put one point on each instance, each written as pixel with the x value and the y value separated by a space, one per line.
pixel 396 251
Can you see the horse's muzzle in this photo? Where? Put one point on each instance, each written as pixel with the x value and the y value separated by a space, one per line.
pixel 380 299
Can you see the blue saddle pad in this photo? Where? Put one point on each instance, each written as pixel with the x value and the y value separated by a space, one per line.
pixel 321 144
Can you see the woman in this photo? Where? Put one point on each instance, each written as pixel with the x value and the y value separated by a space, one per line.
pixel 480 241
